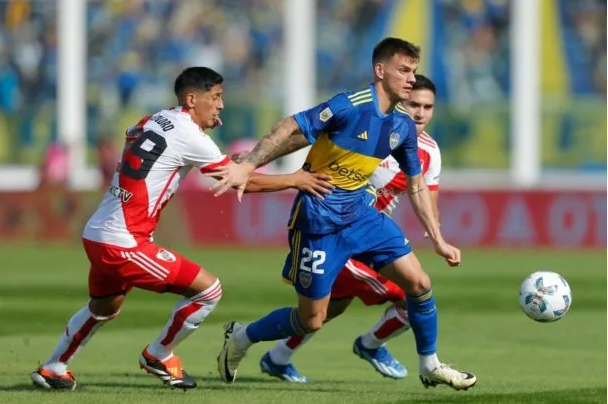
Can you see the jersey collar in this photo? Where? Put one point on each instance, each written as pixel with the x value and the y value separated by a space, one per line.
pixel 375 100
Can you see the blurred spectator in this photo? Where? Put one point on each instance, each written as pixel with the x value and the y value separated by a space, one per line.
pixel 107 160
pixel 54 169
pixel 584 23
pixel 136 47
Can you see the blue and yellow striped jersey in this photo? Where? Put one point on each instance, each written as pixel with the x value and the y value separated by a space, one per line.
pixel 350 137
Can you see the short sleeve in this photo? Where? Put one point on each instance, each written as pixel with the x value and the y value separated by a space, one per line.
pixel 406 153
pixel 431 177
pixel 328 116
pixel 202 152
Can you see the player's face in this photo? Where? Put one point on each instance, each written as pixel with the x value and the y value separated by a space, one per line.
pixel 420 105
pixel 398 76
pixel 207 106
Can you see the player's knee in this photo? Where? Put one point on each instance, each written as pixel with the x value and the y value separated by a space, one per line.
pixel 420 284
pixel 313 321
pixel 210 297
pixel 107 308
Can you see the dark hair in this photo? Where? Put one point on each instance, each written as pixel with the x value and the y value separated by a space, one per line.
pixel 198 78
pixel 388 47
pixel 424 83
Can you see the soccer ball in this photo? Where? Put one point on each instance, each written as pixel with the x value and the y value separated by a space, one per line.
pixel 545 296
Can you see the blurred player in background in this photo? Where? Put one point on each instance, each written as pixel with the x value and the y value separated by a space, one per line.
pixel 159 152
pixel 350 135
pixel 357 279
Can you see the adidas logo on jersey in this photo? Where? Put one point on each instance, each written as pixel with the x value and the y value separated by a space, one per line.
pixel 362 136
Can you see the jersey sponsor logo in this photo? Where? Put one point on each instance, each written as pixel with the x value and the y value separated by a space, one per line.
pixel 164 123
pixel 349 173
pixel 393 140
pixel 325 115
pixel 120 193
pixel 166 256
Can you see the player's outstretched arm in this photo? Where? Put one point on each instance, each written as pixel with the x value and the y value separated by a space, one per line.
pixel 313 183
pixel 285 137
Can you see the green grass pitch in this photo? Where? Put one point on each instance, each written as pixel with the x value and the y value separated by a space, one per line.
pixel 482 329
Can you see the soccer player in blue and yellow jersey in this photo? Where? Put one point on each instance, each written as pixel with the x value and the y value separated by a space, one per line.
pixel 350 135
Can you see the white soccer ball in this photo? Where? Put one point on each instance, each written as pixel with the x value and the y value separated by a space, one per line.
pixel 545 296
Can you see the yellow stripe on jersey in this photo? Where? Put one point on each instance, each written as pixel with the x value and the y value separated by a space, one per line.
pixel 361 97
pixel 363 101
pixel 349 170
pixel 359 94
pixel 400 108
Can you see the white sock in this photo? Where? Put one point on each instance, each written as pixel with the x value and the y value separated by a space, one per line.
pixel 393 323
pixel 427 363
pixel 79 330
pixel 185 318
pixel 284 349
pixel 241 339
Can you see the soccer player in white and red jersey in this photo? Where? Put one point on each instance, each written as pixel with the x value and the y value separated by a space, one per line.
pixel 159 152
pixel 357 279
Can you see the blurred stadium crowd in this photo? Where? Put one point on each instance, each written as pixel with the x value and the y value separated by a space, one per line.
pixel 136 48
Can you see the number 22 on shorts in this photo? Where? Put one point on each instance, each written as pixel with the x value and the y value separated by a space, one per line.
pixel 312 260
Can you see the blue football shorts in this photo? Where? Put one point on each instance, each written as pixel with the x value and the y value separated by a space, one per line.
pixel 315 260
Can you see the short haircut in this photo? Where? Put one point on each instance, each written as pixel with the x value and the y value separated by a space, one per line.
pixel 388 47
pixel 197 78
pixel 424 83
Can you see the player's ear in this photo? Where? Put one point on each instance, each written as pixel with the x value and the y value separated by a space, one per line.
pixel 190 99
pixel 379 70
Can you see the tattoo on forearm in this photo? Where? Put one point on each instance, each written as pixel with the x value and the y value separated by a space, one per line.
pixel 277 143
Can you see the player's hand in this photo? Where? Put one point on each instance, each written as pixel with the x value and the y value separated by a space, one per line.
pixel 231 175
pixel 313 183
pixel 449 252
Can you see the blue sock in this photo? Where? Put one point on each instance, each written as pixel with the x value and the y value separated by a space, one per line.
pixel 422 314
pixel 279 324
